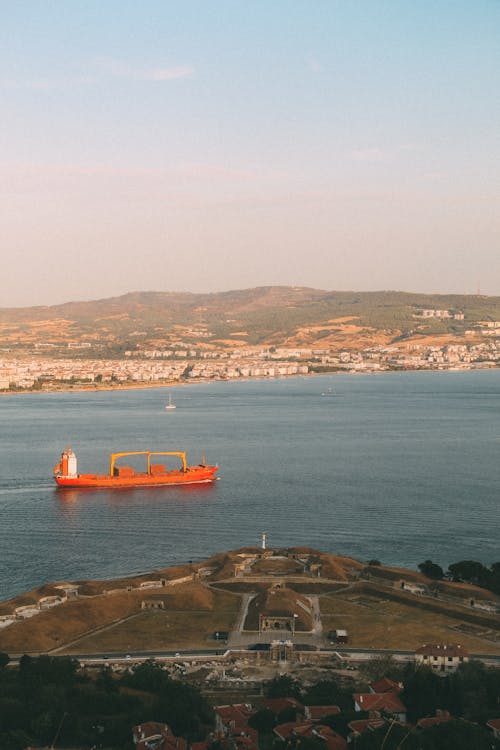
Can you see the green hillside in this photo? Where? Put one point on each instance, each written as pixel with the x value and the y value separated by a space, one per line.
pixel 263 315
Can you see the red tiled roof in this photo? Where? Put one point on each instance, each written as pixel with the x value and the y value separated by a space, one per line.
pixel 386 685
pixel 333 740
pixel 200 745
pixel 442 649
pixel 243 709
pixel 144 733
pixel 494 724
pixel 277 705
pixel 430 721
pixel 291 729
pixel 235 721
pixel 238 714
pixel 319 712
pixel 149 729
pixel 389 702
pixel 361 726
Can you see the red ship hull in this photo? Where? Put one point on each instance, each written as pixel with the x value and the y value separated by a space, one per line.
pixel 157 475
pixel 192 475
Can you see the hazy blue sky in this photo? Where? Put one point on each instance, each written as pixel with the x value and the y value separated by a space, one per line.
pixel 221 144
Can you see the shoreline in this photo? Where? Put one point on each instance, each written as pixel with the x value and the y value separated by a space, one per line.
pixel 93 388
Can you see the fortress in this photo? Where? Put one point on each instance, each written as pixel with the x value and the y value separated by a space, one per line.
pixel 253 596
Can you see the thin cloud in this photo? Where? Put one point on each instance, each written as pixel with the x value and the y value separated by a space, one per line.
pixel 120 69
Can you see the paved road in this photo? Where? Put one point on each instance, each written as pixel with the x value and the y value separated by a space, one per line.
pixel 349 654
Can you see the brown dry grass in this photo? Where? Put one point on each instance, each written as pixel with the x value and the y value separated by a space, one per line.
pixel 339 568
pixel 377 623
pixel 75 618
pixel 91 588
pixel 277 566
pixel 61 624
pixel 452 588
pixel 168 629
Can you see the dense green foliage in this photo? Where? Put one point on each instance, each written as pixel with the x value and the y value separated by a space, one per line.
pixel 284 687
pixel 178 704
pixel 453 735
pixel 471 695
pixel 48 697
pixel 329 693
pixel 472 692
pixel 431 570
pixel 466 571
pixel 470 571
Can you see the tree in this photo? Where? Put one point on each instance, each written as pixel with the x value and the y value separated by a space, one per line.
pixel 284 687
pixel 146 676
pixel 340 722
pixel 469 571
pixel 393 736
pixel 456 735
pixel 431 570
pixel 4 660
pixel 424 692
pixel 263 721
pixel 329 693
pixel 381 666
pixel 105 680
pixel 474 691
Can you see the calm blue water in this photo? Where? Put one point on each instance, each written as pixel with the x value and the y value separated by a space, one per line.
pixel 401 467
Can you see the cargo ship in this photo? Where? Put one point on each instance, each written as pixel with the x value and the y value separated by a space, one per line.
pixel 156 474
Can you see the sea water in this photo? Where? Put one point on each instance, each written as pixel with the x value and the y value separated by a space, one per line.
pixel 401 467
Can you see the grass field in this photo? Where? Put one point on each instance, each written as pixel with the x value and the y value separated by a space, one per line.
pixel 168 629
pixel 378 623
pixel 192 612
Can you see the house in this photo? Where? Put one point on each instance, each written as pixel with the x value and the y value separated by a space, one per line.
pixel 278 705
pixel 441 657
pixel 294 730
pixel 441 717
pixel 232 721
pixel 363 726
pixel 317 713
pixel 231 725
pixel 388 703
pixel 386 685
pixel 152 735
pixel 338 636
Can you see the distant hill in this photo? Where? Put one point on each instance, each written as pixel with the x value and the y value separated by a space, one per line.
pixel 275 315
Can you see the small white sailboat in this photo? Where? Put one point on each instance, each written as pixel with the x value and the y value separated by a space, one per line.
pixel 170 405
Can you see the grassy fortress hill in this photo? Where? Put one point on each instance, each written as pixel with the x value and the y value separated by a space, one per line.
pixel 248 598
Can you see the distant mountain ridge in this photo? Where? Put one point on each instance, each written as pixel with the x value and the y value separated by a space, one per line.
pixel 272 315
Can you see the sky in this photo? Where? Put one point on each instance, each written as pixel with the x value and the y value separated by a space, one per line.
pixel 208 145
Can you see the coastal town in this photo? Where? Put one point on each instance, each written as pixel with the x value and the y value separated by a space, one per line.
pixel 38 370
pixel 163 338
